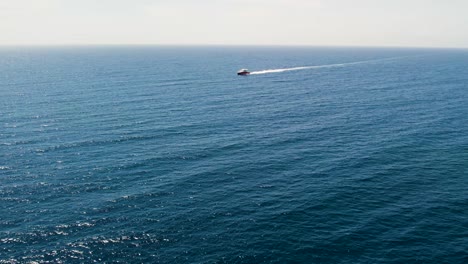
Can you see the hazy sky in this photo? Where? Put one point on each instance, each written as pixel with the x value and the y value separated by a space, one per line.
pixel 427 23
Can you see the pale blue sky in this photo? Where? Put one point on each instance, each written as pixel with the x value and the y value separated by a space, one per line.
pixel 421 23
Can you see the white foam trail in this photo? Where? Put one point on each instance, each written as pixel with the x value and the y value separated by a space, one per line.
pixel 318 66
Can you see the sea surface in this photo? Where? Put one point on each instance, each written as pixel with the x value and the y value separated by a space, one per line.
pixel 147 154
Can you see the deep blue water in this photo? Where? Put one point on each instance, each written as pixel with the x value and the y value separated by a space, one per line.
pixel 163 154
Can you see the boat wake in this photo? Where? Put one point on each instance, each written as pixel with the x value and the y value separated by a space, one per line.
pixel 319 66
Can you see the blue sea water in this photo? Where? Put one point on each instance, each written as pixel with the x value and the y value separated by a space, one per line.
pixel 164 155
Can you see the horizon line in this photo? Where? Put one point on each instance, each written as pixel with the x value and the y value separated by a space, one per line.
pixel 225 45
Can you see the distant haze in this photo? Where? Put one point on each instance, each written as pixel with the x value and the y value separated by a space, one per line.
pixel 412 23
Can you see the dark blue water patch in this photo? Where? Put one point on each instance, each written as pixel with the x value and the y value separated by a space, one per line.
pixel 163 154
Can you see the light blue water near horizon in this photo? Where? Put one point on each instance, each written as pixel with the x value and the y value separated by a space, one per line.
pixel 163 154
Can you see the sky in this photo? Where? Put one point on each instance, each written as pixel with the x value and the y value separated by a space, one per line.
pixel 406 23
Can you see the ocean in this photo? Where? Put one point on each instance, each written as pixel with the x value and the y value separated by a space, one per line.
pixel 159 154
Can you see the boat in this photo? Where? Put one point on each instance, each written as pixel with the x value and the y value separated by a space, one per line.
pixel 243 72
